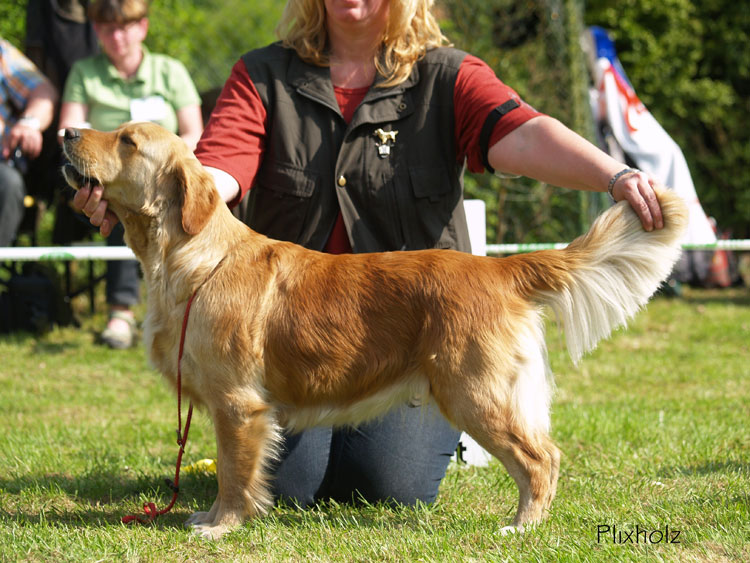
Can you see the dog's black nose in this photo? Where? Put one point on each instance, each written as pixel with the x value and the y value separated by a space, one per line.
pixel 71 134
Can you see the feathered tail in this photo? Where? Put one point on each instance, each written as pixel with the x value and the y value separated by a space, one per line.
pixel 613 270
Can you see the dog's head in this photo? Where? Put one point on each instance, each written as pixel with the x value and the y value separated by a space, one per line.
pixel 144 170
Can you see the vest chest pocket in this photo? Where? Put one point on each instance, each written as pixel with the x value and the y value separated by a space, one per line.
pixel 430 183
pixel 280 201
pixel 427 208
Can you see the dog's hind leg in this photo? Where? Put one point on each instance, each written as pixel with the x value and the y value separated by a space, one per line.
pixel 504 405
pixel 554 454
pixel 246 436
pixel 530 458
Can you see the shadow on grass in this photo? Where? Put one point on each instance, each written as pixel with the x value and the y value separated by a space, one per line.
pixel 88 517
pixel 98 499
pixel 101 498
pixel 38 343
pixel 54 348
pixel 709 468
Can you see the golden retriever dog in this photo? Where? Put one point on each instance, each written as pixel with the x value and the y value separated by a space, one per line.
pixel 281 336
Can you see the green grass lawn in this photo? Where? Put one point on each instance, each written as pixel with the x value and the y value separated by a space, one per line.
pixel 654 427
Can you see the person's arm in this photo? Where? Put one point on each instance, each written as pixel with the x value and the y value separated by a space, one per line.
pixel 72 114
pixel 546 150
pixel 35 118
pixel 190 124
pixel 233 143
pixel 226 185
pixel 526 142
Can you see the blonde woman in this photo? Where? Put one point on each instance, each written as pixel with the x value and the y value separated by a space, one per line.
pixel 351 134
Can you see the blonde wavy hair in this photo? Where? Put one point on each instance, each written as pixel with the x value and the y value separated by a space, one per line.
pixel 411 31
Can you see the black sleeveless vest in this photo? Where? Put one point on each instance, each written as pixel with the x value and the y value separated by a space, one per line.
pixel 392 171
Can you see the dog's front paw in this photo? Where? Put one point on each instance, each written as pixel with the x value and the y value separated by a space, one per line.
pixel 212 526
pixel 197 519
pixel 510 530
pixel 210 532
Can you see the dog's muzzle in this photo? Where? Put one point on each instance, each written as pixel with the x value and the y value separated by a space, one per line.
pixel 75 178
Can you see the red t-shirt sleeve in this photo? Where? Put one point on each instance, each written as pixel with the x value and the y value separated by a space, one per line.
pixel 477 92
pixel 234 137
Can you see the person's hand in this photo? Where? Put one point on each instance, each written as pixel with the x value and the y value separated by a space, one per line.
pixel 88 200
pixel 23 135
pixel 637 188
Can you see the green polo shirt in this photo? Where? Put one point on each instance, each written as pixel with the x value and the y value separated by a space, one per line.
pixel 161 86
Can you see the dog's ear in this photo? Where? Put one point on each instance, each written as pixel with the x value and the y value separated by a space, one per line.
pixel 199 195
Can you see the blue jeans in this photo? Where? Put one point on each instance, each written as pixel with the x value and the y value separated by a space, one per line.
pixel 401 457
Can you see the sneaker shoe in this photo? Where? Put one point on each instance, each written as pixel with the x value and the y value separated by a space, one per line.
pixel 120 331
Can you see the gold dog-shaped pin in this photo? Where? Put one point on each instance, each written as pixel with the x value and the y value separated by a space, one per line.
pixel 384 149
pixel 386 136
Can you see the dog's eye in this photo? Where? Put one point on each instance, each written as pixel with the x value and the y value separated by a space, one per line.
pixel 127 140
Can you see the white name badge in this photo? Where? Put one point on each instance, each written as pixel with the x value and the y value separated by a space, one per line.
pixel 151 108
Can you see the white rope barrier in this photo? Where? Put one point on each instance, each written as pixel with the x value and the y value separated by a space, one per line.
pixel 65 253
pixel 71 253
pixel 737 244
pixel 728 244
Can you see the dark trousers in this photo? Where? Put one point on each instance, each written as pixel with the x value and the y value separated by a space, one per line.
pixel 123 276
pixel 12 191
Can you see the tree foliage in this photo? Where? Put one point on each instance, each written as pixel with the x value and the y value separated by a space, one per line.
pixel 690 64
pixel 209 36
pixel 13 21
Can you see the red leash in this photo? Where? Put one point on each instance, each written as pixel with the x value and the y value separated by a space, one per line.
pixel 150 508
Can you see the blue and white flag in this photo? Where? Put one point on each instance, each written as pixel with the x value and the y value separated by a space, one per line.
pixel 639 135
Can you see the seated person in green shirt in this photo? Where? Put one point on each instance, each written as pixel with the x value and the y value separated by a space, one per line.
pixel 127 83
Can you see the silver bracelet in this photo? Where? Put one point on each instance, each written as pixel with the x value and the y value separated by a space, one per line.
pixel 613 181
pixel 31 122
